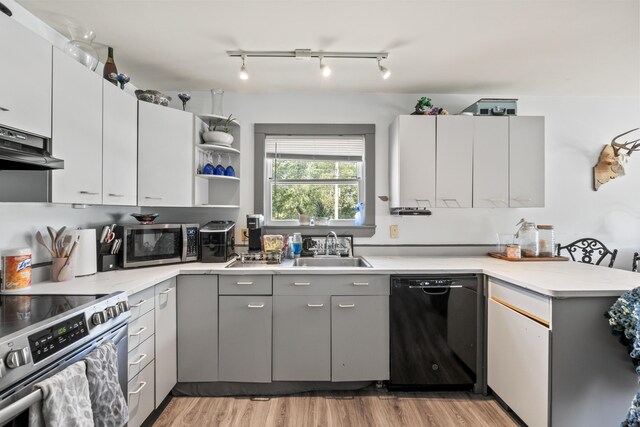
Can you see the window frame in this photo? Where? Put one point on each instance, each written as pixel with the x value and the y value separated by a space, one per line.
pixel 367 187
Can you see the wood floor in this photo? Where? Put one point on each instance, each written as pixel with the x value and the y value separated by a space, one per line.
pixel 338 409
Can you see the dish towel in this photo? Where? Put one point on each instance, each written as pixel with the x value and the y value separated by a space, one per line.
pixel 65 400
pixel 623 317
pixel 107 400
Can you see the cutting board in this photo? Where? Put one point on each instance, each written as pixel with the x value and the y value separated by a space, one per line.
pixel 527 259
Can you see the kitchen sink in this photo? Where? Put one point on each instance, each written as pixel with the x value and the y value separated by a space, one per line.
pixel 331 262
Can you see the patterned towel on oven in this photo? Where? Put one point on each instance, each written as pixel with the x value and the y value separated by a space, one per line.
pixel 65 400
pixel 107 400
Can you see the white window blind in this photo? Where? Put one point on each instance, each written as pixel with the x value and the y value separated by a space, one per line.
pixel 325 148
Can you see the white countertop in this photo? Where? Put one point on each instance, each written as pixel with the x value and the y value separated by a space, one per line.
pixel 555 279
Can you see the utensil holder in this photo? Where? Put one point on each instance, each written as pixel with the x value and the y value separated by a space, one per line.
pixel 61 269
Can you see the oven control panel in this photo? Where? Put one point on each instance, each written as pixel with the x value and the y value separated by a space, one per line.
pixel 48 341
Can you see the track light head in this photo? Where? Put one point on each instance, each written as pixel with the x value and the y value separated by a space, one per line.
pixel 384 71
pixel 324 68
pixel 244 74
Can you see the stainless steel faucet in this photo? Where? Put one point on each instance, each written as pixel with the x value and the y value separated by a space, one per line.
pixel 327 250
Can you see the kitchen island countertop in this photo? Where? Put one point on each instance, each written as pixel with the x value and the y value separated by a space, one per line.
pixel 554 279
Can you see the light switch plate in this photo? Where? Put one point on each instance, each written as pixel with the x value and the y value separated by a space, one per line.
pixel 394 232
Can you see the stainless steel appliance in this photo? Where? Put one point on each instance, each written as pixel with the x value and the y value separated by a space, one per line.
pixel 25 151
pixel 436 332
pixel 156 244
pixel 217 241
pixel 255 225
pixel 42 334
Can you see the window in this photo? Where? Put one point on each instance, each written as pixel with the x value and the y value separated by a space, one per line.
pixel 322 171
pixel 320 176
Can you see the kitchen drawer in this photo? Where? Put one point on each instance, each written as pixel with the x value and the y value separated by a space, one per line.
pixel 140 330
pixel 245 285
pixel 141 356
pixel 527 303
pixel 316 284
pixel 141 303
pixel 141 395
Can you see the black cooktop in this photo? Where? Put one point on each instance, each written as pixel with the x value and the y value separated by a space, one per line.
pixel 18 312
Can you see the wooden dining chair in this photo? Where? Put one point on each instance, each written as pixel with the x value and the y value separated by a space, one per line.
pixel 636 260
pixel 588 251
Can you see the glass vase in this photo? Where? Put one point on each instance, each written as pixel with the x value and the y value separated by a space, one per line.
pixel 80 48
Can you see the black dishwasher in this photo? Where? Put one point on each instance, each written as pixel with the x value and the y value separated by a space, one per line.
pixel 435 332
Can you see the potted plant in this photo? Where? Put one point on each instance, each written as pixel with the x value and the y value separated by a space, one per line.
pixel 303 218
pixel 219 133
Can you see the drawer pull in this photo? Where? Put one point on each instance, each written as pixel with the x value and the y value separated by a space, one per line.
pixel 526 314
pixel 142 301
pixel 115 195
pixel 152 198
pixel 315 305
pixel 256 305
pixel 4 109
pixel 244 283
pixel 167 291
pixel 139 389
pixel 360 283
pixel 346 305
pixel 301 283
pixel 88 193
pixel 140 359
pixel 140 331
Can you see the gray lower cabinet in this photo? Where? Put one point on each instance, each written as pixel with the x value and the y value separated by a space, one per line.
pixel 359 338
pixel 301 338
pixel 245 338
pixel 197 328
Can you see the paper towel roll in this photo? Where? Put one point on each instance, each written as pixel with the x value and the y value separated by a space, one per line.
pixel 85 262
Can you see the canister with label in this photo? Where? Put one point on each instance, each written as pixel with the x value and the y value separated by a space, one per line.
pixel 16 269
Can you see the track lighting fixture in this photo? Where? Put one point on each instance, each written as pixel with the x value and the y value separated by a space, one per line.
pixel 324 68
pixel 244 74
pixel 384 71
pixel 306 54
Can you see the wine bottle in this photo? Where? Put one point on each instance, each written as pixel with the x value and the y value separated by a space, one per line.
pixel 110 68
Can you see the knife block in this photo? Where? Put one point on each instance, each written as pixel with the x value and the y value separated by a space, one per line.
pixel 106 261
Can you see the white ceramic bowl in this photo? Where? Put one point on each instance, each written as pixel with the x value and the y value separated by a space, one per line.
pixel 217 137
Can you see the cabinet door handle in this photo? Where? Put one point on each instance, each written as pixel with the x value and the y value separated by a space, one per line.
pixel 424 200
pixel 135 334
pixel 497 202
pixel 88 193
pixel 139 389
pixel 256 305
pixel 115 195
pixel 315 305
pixel 346 305
pixel 360 283
pixel 140 359
pixel 522 199
pixel 152 198
pixel 167 291
pixel 142 301
pixel 446 202
pixel 301 283
pixel 4 109
pixel 244 283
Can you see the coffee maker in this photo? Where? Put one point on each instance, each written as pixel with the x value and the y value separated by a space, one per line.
pixel 255 225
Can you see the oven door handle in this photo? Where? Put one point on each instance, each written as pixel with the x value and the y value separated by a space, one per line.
pixel 16 408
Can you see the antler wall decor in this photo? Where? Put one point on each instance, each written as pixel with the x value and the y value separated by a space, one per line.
pixel 613 158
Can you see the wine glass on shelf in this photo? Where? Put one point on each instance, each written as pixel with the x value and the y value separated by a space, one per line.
pixel 219 170
pixel 208 168
pixel 229 171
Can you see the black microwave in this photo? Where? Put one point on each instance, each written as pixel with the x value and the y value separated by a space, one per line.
pixel 217 241
pixel 156 244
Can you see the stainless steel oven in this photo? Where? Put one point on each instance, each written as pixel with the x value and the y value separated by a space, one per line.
pixel 156 244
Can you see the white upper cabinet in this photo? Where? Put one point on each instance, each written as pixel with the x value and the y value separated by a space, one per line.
pixel 77 132
pixel 526 162
pixel 119 146
pixel 491 162
pixel 165 156
pixel 412 156
pixel 25 79
pixel 454 162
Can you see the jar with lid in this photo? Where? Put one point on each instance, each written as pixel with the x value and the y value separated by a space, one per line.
pixel 547 241
pixel 527 236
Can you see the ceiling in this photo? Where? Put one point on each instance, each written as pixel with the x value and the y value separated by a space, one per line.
pixel 521 47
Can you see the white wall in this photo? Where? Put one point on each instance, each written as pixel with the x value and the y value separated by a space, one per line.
pixel 576 130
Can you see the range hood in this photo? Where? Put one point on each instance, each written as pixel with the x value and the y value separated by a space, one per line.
pixel 24 151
